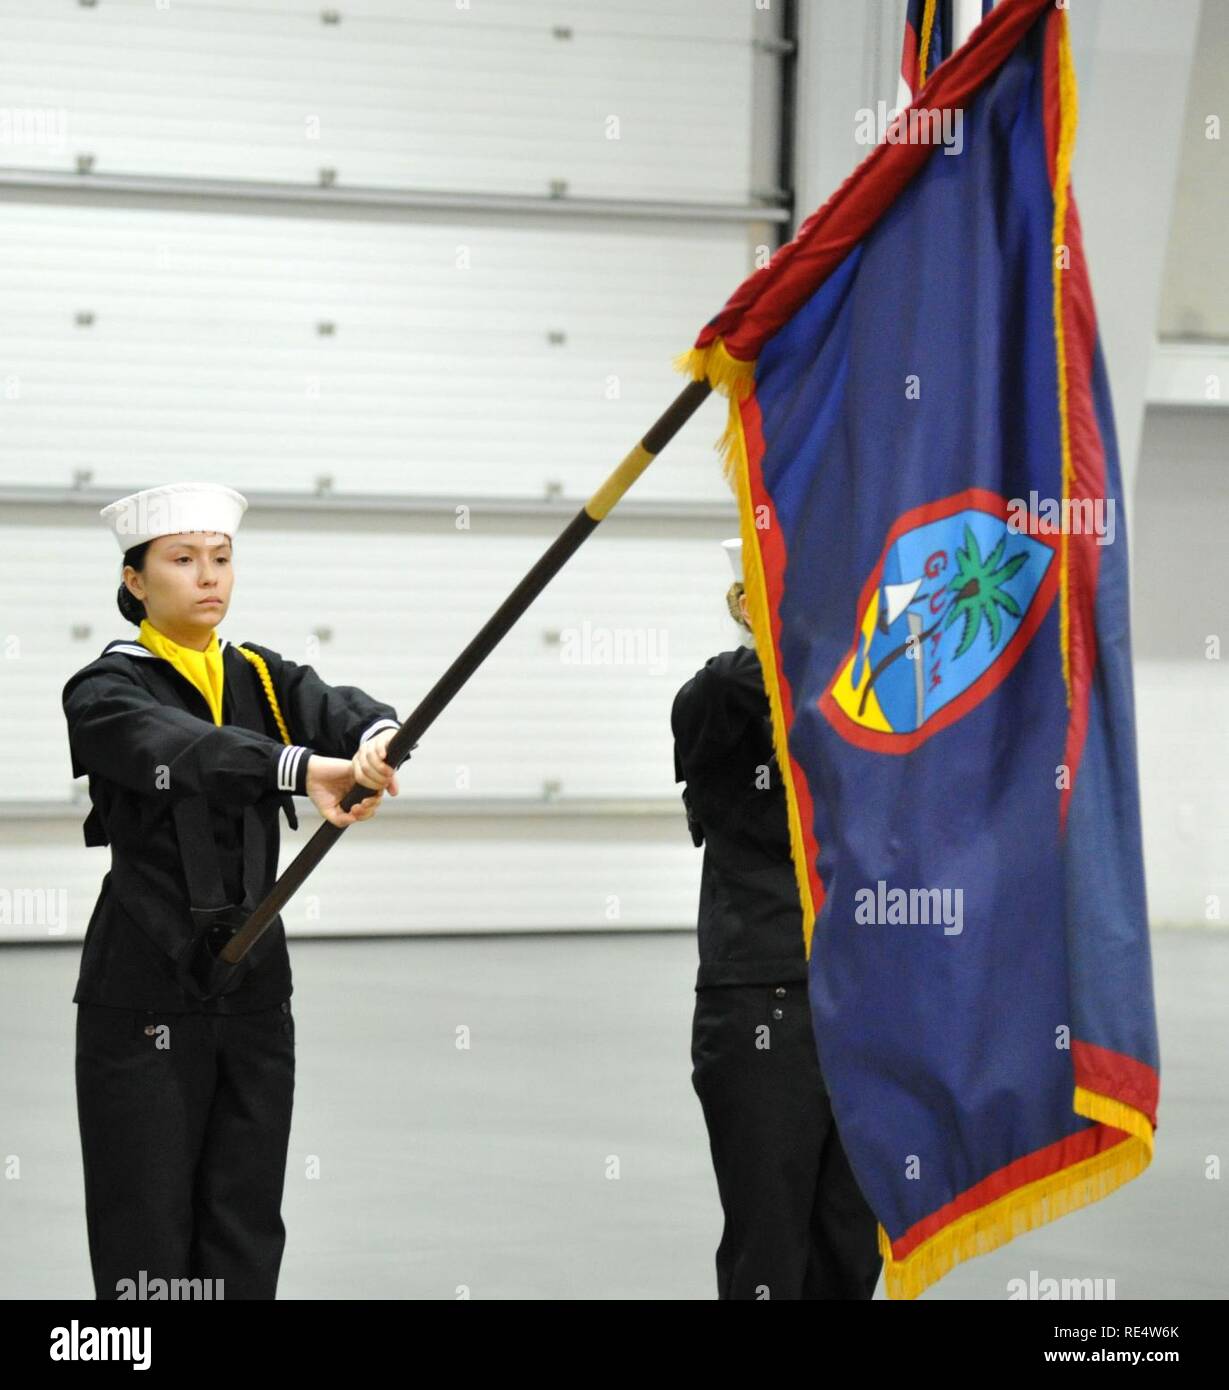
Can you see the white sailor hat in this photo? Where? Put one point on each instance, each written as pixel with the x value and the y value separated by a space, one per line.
pixel 170 510
pixel 734 552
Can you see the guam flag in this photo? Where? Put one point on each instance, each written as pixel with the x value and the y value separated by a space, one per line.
pixel 922 445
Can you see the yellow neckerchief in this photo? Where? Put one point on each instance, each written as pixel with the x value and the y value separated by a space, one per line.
pixel 203 669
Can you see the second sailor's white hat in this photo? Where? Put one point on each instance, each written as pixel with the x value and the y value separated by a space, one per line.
pixel 734 553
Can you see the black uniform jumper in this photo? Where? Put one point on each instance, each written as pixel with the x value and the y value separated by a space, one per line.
pixel 796 1223
pixel 184 1095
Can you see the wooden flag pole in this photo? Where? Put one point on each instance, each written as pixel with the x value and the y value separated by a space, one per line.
pixel 437 698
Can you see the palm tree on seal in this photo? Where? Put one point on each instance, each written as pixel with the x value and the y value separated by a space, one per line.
pixel 978 590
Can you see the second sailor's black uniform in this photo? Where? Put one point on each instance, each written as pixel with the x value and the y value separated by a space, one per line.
pixel 796 1223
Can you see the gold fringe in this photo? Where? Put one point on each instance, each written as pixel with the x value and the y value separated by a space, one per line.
pixel 729 444
pixel 1068 99
pixel 732 378
pixel 262 670
pixel 1037 1204
pixel 729 375
pixel 1115 1113
pixel 761 627
pixel 923 48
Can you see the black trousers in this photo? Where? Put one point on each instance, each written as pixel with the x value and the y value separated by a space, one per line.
pixel 185 1126
pixel 796 1223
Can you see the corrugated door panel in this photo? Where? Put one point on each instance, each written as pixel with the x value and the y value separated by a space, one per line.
pixel 463 355
pixel 458 358
pixel 632 100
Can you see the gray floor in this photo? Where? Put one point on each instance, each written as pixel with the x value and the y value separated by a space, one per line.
pixel 487 1168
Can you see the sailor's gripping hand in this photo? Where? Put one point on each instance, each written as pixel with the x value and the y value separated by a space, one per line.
pixel 329 780
pixel 370 768
pixel 328 784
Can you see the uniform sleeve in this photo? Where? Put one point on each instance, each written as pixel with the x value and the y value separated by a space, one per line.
pixel 117 729
pixel 333 719
pixel 711 712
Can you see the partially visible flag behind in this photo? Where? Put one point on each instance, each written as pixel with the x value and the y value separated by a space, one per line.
pixel 917 396
pixel 934 29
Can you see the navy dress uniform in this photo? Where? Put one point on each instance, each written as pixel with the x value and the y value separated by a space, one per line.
pixel 796 1223
pixel 185 1083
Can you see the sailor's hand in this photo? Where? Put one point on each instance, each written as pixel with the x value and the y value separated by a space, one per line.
pixel 370 768
pixel 328 783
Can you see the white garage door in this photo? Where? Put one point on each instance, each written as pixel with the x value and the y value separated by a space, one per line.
pixel 374 264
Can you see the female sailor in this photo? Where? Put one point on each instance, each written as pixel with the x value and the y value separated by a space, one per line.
pixel 185 1066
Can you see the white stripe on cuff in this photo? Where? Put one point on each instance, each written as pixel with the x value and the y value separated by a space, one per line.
pixel 376 727
pixel 288 766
